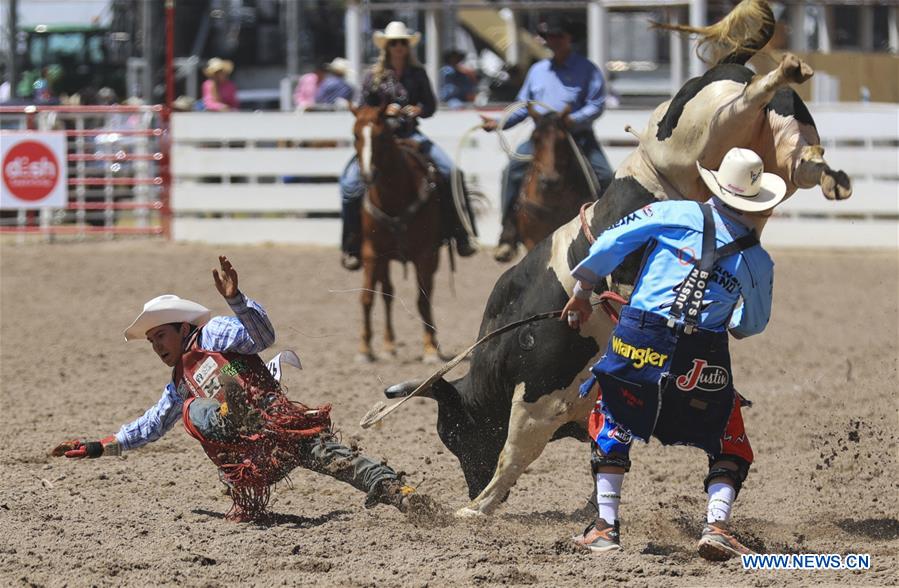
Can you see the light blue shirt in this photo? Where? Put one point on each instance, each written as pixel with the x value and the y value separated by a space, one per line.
pixel 577 83
pixel 673 230
pixel 248 333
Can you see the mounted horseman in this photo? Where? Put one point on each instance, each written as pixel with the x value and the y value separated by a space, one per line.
pixel 574 88
pixel 399 83
pixel 521 390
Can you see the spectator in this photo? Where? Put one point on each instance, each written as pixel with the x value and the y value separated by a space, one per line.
pixel 43 89
pixel 219 92
pixel 304 96
pixel 334 89
pixel 457 82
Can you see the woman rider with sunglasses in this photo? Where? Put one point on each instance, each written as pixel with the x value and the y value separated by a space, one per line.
pixel 398 80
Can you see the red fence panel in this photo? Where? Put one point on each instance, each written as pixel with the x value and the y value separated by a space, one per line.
pixel 118 169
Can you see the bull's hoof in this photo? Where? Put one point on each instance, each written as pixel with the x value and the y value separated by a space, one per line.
pixel 468 513
pixel 795 70
pixel 401 390
pixel 836 185
pixel 363 357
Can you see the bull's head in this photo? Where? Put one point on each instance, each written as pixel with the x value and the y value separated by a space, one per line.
pixel 471 433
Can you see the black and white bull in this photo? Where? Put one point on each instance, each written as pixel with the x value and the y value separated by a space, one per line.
pixel 521 390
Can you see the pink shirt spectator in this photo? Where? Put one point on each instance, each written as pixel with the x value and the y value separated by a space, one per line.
pixel 304 96
pixel 227 96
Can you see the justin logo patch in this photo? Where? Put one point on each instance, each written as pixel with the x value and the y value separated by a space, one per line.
pixel 204 371
pixel 703 376
pixel 755 175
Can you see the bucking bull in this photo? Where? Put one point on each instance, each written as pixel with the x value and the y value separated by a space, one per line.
pixel 521 390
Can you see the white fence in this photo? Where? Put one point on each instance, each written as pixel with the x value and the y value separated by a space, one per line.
pixel 272 177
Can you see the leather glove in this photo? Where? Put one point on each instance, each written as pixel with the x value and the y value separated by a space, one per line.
pixel 79 449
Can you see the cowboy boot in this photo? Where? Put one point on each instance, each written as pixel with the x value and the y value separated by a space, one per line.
pixel 454 228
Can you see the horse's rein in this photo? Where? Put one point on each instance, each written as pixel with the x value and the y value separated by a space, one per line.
pixel 582 162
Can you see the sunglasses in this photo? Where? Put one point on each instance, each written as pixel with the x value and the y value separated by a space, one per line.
pixel 395 42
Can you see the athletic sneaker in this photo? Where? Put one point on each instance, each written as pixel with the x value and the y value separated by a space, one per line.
pixel 599 536
pixel 718 544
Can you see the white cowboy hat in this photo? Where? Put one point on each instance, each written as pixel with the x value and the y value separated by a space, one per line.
pixel 339 66
pixel 166 309
pixel 396 30
pixel 216 64
pixel 742 183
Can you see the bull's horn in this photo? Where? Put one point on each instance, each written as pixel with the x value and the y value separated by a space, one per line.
pixel 402 389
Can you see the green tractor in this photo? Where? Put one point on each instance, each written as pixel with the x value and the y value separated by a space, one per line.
pixel 70 58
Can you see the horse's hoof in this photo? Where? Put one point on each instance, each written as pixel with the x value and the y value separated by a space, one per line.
pixel 468 513
pixel 365 357
pixel 504 253
pixel 430 357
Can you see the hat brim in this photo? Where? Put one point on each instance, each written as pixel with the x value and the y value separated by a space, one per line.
pixel 380 39
pixel 772 191
pixel 226 67
pixel 189 312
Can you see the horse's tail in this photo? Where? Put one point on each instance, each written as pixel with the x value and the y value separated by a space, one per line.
pixel 735 38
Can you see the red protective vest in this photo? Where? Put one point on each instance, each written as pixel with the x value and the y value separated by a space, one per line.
pixel 255 459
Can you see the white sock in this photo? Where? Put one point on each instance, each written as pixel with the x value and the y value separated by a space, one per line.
pixel 721 499
pixel 608 495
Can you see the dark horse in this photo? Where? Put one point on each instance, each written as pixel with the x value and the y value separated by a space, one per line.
pixel 556 184
pixel 400 221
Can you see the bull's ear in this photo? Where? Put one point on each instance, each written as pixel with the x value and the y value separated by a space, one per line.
pixel 532 112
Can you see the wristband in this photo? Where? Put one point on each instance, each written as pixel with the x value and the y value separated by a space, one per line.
pixel 582 293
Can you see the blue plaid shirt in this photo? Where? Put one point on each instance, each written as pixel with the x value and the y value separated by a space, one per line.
pixel 248 333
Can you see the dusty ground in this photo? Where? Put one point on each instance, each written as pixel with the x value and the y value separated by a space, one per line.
pixel 824 428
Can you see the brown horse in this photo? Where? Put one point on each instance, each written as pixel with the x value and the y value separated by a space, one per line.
pixel 400 222
pixel 555 186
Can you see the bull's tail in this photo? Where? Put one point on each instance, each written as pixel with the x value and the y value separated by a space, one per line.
pixel 735 38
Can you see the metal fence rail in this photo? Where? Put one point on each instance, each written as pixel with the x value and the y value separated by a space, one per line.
pixel 117 170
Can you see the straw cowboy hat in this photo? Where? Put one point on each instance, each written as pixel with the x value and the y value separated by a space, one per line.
pixel 396 30
pixel 742 183
pixel 216 64
pixel 338 66
pixel 166 309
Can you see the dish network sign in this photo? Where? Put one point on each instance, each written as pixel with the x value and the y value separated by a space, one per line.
pixel 34 170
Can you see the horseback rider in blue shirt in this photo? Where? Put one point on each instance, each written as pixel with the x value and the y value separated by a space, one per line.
pixel 400 81
pixel 566 80
pixel 666 371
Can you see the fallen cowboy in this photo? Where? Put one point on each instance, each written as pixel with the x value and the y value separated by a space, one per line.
pixel 230 401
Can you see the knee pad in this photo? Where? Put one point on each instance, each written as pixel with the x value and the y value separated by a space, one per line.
pixel 737 476
pixel 600 459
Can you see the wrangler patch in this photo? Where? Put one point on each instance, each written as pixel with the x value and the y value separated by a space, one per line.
pixel 234 368
pixel 641 356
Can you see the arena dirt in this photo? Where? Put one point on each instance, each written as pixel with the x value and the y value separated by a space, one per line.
pixel 824 429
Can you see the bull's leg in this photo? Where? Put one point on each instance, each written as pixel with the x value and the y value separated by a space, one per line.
pixel 812 170
pixel 425 266
pixel 759 92
pixel 531 426
pixel 370 269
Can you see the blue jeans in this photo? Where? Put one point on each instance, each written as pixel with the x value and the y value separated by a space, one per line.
pixel 514 173
pixel 352 188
